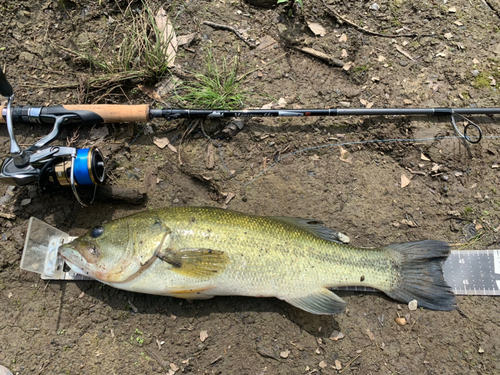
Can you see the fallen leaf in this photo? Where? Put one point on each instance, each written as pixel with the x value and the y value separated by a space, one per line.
pixel 403 52
pixel 323 364
pixel 150 92
pixel 229 197
pixel 174 367
pixel 336 335
pixel 448 35
pixel 343 38
pixel 266 42
pixel 343 152
pixel 405 181
pixel 161 142
pixel 338 365
pixel 317 29
pixel 203 336
pixel 285 354
pixel 370 334
pixel 210 162
pixel 185 39
pixel 435 167
pixel 167 35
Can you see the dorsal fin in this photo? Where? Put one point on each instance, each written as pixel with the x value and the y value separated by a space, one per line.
pixel 315 227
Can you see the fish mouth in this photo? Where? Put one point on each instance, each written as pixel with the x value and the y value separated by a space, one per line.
pixel 74 260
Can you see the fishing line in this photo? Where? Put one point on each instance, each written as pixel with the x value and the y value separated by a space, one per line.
pixel 330 145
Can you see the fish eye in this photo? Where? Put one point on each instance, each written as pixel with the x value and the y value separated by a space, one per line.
pixel 96 232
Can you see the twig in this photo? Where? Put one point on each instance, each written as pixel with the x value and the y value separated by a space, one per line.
pixel 344 20
pixel 157 358
pixel 321 56
pixel 229 28
pixel 7 216
pixel 350 363
pixel 43 367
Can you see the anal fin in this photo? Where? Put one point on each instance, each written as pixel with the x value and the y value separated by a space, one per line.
pixel 321 302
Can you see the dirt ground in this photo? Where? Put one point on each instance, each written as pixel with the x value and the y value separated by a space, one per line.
pixel 453 61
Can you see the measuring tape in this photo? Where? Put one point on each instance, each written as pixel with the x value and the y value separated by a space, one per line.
pixel 473 272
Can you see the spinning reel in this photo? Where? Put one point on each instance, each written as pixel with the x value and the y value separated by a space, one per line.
pixel 49 166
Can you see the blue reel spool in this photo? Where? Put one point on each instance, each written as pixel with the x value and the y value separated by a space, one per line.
pixel 89 166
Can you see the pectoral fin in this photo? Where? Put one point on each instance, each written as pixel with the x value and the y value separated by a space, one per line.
pixel 321 302
pixel 195 262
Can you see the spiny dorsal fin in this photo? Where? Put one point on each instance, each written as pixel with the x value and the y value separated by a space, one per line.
pixel 321 302
pixel 195 262
pixel 315 227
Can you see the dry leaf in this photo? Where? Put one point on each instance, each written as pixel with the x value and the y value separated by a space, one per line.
pixel 167 34
pixel 185 39
pixel 338 365
pixel 174 367
pixel 370 334
pixel 203 336
pixel 336 335
pixel 435 167
pixel 348 65
pixel 172 147
pixel 210 162
pixel 161 142
pixel 323 364
pixel 317 29
pixel 343 38
pixel 229 197
pixel 405 181
pixel 150 92
pixel 448 35
pixel 403 52
pixel 343 152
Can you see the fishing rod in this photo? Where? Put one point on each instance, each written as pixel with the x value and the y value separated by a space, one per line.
pixel 67 166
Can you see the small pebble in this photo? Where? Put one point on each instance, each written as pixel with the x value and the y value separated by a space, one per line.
pixel 412 305
pixel 445 177
pixel 400 321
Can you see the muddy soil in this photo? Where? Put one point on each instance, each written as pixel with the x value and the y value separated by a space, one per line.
pixel 449 58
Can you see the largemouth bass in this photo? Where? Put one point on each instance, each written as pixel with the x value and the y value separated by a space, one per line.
pixel 197 253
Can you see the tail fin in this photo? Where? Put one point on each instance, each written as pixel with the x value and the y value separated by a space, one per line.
pixel 422 275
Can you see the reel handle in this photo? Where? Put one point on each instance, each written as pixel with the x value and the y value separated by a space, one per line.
pixel 87 113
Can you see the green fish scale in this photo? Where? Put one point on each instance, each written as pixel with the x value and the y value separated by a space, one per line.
pixel 270 257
